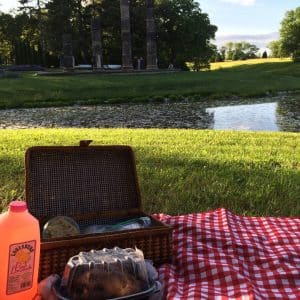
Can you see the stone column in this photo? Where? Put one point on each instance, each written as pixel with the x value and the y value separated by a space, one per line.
pixel 96 43
pixel 151 37
pixel 126 35
pixel 68 60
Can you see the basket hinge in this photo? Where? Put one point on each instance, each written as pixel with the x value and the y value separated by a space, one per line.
pixel 85 143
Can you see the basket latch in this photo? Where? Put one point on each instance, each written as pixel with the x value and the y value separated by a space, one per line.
pixel 85 143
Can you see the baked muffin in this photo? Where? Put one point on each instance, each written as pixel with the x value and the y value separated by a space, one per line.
pixel 105 274
pixel 97 285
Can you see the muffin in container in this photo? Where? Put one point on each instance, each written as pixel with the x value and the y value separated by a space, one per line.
pixel 106 274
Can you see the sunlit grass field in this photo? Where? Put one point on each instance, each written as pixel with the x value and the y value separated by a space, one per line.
pixel 182 171
pixel 237 63
pixel 251 78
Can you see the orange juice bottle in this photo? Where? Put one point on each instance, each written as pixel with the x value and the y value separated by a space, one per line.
pixel 19 253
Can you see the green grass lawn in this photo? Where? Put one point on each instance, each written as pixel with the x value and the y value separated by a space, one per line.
pixel 256 61
pixel 182 171
pixel 245 79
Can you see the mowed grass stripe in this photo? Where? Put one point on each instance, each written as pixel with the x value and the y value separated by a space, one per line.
pixel 250 78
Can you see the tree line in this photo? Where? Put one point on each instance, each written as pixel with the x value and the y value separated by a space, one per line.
pixel 33 35
pixel 288 44
pixel 235 51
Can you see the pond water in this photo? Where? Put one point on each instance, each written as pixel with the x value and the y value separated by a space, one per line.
pixel 268 114
pixel 282 115
pixel 245 117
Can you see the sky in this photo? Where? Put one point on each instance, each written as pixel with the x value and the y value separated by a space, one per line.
pixel 255 21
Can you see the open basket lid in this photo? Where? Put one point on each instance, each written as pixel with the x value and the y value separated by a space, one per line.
pixel 81 181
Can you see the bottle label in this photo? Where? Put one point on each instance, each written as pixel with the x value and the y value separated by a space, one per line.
pixel 20 267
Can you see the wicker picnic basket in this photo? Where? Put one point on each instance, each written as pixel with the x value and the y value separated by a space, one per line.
pixel 93 185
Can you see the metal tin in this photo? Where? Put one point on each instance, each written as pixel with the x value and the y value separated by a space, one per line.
pixel 153 293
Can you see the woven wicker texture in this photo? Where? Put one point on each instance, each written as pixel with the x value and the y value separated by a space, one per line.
pixel 80 180
pixel 95 185
pixel 156 245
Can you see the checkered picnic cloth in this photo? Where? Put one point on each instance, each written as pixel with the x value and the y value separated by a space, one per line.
pixel 219 255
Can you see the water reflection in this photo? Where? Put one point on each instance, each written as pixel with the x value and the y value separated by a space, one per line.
pixel 245 117
pixel 282 115
pixel 271 114
pixel 288 114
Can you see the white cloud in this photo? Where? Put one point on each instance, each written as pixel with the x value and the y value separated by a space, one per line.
pixel 241 2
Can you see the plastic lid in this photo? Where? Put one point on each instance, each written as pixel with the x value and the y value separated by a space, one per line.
pixel 17 206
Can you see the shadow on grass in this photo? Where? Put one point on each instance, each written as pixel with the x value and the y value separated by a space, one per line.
pixel 178 186
pixel 11 179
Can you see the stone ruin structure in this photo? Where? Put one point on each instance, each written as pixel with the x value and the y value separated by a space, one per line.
pixel 127 63
pixel 96 43
pixel 68 60
pixel 151 36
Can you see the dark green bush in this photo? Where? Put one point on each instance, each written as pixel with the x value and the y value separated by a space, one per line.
pixel 296 56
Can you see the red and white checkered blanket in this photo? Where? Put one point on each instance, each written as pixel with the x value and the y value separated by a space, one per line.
pixel 219 255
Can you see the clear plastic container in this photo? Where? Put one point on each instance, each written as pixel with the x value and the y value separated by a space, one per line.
pixel 60 226
pixel 136 223
pixel 20 253
pixel 105 274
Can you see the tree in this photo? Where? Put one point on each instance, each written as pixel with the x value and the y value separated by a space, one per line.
pixel 6 37
pixel 35 9
pixel 217 55
pixel 250 50
pixel 109 12
pixel 290 34
pixel 20 38
pixel 223 52
pixel 184 32
pixel 69 17
pixel 275 47
pixel 265 54
pixel 239 50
